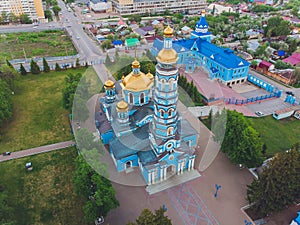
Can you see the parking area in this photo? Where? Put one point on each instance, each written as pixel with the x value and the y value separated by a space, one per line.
pixel 267 107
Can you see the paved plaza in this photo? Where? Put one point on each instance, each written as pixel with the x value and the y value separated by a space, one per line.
pixel 192 203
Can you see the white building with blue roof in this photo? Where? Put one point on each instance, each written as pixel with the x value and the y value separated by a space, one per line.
pixel 148 131
pixel 220 63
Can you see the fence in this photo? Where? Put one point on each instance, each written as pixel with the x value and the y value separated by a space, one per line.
pixel 251 100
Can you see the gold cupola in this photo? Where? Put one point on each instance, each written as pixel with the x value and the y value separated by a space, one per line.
pixel 168 32
pixel 109 84
pixel 122 106
pixel 136 80
pixel 135 64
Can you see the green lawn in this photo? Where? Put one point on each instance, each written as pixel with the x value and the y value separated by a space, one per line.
pixel 44 195
pixel 278 135
pixel 35 44
pixel 38 115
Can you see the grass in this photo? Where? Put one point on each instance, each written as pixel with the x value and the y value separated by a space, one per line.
pixel 35 44
pixel 38 115
pixel 277 135
pixel 44 195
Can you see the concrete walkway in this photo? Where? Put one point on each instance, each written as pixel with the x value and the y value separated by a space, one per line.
pixel 37 150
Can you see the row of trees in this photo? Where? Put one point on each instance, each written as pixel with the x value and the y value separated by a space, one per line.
pixel 191 89
pixel 35 69
pixel 7 76
pixel 12 18
pixel 278 185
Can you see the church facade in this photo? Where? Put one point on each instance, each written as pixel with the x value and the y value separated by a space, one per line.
pixel 141 112
pixel 198 51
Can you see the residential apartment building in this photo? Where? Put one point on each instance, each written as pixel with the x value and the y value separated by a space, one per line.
pixel 127 7
pixel 33 8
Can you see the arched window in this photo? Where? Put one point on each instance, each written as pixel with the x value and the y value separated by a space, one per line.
pixel 170 111
pixel 170 130
pixel 171 84
pixel 142 98
pixel 163 83
pixel 162 112
pixel 130 98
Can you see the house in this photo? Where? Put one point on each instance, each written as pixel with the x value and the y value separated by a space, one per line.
pixel 186 30
pixel 219 8
pixel 264 65
pixel 100 6
pixel 131 42
pixel 118 43
pixel 149 30
pixel 294 59
pixel 283 113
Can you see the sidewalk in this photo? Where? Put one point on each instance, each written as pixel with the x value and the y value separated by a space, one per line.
pixel 37 150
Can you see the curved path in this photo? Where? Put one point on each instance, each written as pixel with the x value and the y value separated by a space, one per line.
pixel 37 150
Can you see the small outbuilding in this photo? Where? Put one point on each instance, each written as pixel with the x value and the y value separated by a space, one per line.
pixel 284 113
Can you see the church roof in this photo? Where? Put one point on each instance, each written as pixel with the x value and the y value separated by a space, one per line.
pixel 224 57
pixel 131 143
pixel 202 23
pixel 137 82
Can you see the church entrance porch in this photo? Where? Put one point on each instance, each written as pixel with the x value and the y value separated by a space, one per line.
pixel 171 170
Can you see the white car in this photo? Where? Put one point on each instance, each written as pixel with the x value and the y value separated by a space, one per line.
pixel 259 113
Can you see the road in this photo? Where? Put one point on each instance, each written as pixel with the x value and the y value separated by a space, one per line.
pixel 37 150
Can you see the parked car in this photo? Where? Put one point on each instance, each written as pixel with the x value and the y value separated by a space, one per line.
pixel 6 153
pixel 289 93
pixel 259 113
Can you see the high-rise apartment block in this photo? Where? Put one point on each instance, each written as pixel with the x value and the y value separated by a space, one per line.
pixel 127 7
pixel 33 8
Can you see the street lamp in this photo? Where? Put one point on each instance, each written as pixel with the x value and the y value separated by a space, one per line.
pixel 217 189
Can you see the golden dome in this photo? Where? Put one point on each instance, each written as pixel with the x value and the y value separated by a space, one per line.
pixel 149 75
pixel 135 64
pixel 167 56
pixel 122 106
pixel 109 84
pixel 137 82
pixel 168 32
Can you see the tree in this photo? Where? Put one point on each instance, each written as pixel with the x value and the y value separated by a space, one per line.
pixel 77 64
pixel 48 15
pixel 25 19
pixel 46 66
pixel 278 185
pixel 9 64
pixel 6 104
pixel 294 11
pixel 57 67
pixel 71 83
pixel 106 44
pixel 97 190
pixel 56 9
pixel 241 142
pixel 23 70
pixel 8 75
pixel 34 67
pixel 282 65
pixel 148 218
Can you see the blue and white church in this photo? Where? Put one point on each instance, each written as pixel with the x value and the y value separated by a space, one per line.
pixel 220 63
pixel 139 121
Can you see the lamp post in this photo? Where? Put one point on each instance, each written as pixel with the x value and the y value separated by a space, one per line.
pixel 217 188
